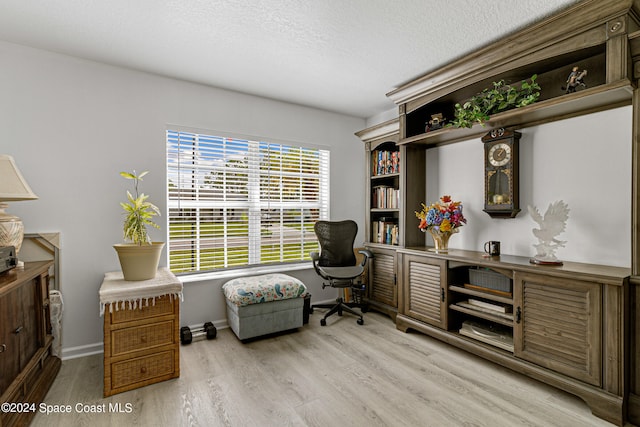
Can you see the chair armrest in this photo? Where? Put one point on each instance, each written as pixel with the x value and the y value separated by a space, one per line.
pixel 367 254
pixel 315 256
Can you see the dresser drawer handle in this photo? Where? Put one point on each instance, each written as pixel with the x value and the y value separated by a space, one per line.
pixel 18 329
pixel 3 348
pixel 143 370
pixel 143 339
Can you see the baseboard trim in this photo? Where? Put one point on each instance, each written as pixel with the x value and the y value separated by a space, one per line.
pixel 98 348
pixel 82 351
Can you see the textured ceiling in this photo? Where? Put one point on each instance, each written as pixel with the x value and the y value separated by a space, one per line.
pixel 337 55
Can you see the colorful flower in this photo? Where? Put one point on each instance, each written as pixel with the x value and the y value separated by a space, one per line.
pixel 444 215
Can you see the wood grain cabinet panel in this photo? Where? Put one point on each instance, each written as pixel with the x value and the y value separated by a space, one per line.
pixel 27 367
pixel 424 282
pixel 383 286
pixel 382 289
pixel 560 325
pixel 9 343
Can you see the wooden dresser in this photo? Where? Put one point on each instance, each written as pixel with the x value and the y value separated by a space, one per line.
pixel 141 331
pixel 27 367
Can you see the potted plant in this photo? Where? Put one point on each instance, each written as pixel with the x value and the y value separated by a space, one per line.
pixel 501 97
pixel 139 257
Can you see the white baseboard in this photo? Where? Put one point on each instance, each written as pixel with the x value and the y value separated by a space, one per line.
pixel 98 348
pixel 82 351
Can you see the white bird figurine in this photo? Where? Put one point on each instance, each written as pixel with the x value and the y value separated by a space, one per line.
pixel 551 225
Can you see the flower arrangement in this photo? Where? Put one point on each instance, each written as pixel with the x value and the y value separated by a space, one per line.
pixel 442 216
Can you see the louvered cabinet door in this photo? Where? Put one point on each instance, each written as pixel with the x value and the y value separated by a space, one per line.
pixel 558 325
pixel 424 289
pixel 382 279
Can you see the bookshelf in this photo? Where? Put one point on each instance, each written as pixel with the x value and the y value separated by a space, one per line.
pixel 384 193
pixel 602 367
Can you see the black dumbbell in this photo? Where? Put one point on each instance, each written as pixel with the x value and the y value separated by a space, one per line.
pixel 208 331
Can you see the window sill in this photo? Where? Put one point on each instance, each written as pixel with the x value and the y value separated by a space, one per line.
pixel 242 272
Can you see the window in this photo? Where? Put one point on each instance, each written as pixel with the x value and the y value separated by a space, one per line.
pixel 237 202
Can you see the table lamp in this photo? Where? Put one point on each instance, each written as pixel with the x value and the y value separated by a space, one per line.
pixel 13 187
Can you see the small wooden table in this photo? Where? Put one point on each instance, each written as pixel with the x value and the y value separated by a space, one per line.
pixel 141 330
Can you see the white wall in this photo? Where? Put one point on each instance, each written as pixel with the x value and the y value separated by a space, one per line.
pixel 72 125
pixel 585 161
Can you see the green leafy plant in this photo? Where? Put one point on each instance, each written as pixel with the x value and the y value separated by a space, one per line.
pixel 501 97
pixel 139 212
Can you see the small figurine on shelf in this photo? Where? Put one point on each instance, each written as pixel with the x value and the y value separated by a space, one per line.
pixel 436 122
pixel 575 79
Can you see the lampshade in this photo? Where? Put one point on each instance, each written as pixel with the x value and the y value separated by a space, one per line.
pixel 12 184
pixel 13 187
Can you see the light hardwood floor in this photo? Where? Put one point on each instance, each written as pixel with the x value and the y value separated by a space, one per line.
pixel 338 375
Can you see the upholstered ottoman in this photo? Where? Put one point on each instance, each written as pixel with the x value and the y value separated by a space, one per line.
pixel 261 305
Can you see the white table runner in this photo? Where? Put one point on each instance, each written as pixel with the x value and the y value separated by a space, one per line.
pixel 118 292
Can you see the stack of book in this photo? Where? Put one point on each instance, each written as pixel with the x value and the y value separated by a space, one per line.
pixel 385 162
pixel 385 197
pixel 384 232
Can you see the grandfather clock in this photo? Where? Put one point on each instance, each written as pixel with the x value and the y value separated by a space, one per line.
pixel 501 153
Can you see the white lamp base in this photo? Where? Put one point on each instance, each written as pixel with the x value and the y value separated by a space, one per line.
pixel 11 229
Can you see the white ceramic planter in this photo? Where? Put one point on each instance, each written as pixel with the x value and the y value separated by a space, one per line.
pixel 139 262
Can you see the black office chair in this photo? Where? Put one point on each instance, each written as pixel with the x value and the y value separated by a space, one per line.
pixel 336 263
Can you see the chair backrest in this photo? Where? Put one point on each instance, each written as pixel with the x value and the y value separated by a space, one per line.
pixel 336 242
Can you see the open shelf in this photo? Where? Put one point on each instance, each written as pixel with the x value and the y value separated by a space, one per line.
pixel 505 319
pixel 586 101
pixel 481 294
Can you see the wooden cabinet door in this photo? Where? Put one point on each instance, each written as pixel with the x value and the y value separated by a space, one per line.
pixel 9 341
pixel 28 321
pixel 558 325
pixel 424 289
pixel 382 277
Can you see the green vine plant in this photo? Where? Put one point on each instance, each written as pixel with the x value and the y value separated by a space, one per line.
pixel 501 97
pixel 139 212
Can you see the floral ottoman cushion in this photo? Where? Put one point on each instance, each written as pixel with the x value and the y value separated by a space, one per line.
pixel 258 289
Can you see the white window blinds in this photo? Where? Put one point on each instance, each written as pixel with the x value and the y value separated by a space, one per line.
pixel 236 202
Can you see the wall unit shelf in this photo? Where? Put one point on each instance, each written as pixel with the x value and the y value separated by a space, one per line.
pixel 602 363
pixel 557 327
pixel 467 308
pixel 586 101
pixel 480 294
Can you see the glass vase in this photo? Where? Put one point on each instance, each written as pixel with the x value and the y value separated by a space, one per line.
pixel 441 239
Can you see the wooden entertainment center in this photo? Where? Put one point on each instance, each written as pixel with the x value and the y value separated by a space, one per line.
pixel 27 367
pixel 575 326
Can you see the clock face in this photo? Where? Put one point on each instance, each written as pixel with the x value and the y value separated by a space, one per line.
pixel 499 154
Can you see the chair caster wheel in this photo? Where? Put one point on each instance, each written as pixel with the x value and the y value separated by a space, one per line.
pixel 323 322
pixel 360 321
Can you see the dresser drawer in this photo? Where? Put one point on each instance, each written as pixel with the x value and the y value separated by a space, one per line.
pixel 142 369
pixel 142 337
pixel 164 305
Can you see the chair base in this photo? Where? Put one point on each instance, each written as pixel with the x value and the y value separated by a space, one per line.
pixel 339 307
